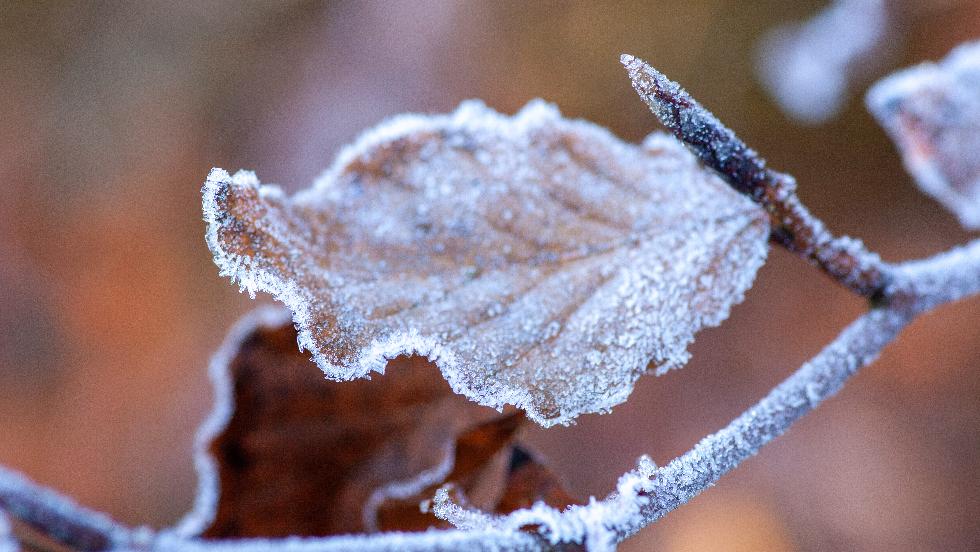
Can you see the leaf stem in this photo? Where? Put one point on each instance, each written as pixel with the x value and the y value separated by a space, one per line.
pixel 844 259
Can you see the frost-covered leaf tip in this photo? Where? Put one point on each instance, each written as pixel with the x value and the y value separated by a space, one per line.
pixel 538 261
pixel 932 112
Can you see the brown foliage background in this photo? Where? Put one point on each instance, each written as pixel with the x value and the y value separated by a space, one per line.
pixel 110 305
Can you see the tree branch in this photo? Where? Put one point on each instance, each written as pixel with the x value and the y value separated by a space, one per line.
pixel 817 380
pixel 923 285
pixel 481 540
pixel 793 227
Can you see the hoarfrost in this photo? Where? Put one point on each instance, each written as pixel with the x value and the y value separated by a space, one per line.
pixel 807 67
pixel 538 261
pixel 599 524
pixel 932 113
pixel 947 277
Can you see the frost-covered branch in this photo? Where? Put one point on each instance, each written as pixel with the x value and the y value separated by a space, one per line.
pixel 485 540
pixel 817 380
pixel 925 284
pixel 843 258
pixel 647 494
pixel 57 516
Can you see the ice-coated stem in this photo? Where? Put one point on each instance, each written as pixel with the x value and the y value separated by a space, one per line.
pixel 793 227
pixel 817 380
pixel 57 516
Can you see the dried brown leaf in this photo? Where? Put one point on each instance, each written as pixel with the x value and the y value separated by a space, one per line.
pixel 537 261
pixel 295 454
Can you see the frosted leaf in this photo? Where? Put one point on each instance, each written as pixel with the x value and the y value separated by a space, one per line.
pixel 537 261
pixel 932 112
pixel 807 67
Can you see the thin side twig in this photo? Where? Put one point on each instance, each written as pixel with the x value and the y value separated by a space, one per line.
pixel 817 380
pixel 793 226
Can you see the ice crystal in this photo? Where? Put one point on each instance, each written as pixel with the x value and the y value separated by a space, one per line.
pixel 807 67
pixel 932 112
pixel 538 261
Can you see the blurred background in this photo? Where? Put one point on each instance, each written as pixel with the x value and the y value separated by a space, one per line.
pixel 110 306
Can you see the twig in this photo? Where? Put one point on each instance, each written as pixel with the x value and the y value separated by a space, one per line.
pixel 482 540
pixel 842 258
pixel 817 380
pixel 57 516
pixel 923 285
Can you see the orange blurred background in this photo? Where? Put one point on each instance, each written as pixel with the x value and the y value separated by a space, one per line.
pixel 110 305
